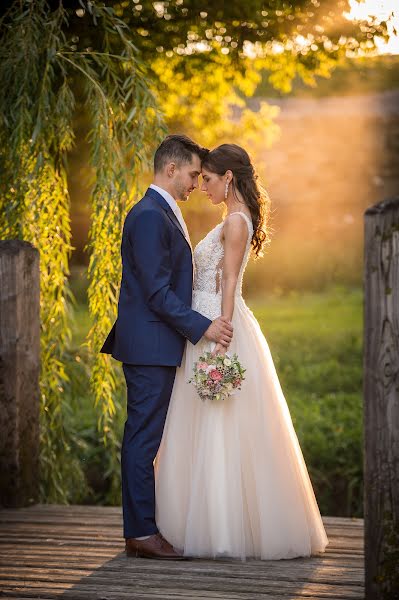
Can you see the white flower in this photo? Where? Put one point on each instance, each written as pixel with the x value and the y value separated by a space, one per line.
pixel 227 362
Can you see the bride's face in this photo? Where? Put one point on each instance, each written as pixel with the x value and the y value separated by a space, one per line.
pixel 213 185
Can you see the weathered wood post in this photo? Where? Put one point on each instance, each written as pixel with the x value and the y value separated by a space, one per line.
pixel 19 372
pixel 381 400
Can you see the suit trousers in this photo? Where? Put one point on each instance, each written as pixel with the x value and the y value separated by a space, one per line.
pixel 149 389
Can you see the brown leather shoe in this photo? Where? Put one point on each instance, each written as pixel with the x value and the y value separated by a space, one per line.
pixel 153 547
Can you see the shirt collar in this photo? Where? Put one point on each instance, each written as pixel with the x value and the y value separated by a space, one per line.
pixel 166 196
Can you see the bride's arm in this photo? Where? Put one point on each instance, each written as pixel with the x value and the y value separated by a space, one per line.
pixel 235 235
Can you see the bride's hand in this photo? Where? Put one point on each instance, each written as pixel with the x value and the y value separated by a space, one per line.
pixel 219 349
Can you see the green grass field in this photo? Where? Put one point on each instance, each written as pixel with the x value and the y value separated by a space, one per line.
pixel 316 344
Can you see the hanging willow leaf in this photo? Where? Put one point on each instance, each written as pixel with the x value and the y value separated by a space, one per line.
pixel 41 76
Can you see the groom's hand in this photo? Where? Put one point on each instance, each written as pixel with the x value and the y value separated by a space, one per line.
pixel 220 331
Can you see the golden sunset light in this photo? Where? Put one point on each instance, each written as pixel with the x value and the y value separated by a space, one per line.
pixel 382 10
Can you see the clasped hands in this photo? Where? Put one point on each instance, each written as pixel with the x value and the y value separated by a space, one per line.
pixel 220 331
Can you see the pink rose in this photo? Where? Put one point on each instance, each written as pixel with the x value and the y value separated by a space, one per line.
pixel 216 375
pixel 202 366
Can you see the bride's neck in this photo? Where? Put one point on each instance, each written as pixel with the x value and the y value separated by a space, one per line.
pixel 234 205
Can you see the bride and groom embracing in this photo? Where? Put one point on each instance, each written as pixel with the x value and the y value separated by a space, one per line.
pixel 203 478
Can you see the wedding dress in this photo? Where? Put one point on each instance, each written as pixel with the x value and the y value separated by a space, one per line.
pixel 230 475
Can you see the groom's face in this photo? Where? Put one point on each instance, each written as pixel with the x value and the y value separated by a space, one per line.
pixel 185 178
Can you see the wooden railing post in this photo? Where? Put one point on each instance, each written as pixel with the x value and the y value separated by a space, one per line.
pixel 19 373
pixel 381 400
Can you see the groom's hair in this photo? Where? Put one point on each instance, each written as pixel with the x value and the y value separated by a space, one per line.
pixel 178 149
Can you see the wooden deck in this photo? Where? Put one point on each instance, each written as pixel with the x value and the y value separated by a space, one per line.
pixel 76 552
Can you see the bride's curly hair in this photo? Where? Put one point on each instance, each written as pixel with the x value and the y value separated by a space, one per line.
pixel 245 180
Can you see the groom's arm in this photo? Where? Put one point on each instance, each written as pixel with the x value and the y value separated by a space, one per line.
pixel 150 243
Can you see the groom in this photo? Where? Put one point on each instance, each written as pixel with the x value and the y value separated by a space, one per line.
pixel 154 320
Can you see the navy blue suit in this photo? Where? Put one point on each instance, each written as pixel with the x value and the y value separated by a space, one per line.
pixel 154 320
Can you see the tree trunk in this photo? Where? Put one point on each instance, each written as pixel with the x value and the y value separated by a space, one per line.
pixel 19 372
pixel 381 400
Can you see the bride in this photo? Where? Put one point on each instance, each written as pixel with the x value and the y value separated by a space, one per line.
pixel 230 476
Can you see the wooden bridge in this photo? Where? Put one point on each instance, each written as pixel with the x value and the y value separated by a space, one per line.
pixel 77 552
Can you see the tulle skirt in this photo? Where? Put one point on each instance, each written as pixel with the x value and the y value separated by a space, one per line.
pixel 230 476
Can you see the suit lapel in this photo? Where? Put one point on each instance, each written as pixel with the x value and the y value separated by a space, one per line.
pixel 169 212
pixel 175 220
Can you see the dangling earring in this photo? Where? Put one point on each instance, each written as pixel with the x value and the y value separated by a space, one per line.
pixel 226 190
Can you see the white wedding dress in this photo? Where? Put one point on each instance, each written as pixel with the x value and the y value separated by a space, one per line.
pixel 230 476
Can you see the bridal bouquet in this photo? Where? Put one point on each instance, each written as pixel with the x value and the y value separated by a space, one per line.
pixel 215 377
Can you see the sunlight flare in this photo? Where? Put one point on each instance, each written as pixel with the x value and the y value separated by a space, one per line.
pixel 382 10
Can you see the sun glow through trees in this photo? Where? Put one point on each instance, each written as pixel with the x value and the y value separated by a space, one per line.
pixel 382 10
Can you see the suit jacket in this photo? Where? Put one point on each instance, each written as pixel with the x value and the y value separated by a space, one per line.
pixel 154 307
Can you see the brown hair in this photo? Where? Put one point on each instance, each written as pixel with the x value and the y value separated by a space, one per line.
pixel 234 158
pixel 179 149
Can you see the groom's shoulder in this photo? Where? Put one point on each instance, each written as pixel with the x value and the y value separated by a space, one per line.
pixel 146 204
pixel 145 212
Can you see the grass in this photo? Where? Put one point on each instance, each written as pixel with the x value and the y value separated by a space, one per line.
pixel 316 343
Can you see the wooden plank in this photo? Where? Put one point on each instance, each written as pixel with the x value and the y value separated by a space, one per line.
pixel 344 576
pixel 95 561
pixel 74 509
pixel 101 541
pixel 142 567
pixel 113 532
pixel 194 564
pixel 102 545
pixel 111 512
pixel 131 569
pixel 145 595
pixel 226 587
pixel 166 588
pixel 50 544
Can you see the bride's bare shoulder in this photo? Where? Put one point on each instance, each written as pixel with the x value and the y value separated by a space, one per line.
pixel 235 227
pixel 237 220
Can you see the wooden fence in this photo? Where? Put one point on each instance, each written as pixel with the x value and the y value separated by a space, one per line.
pixel 19 373
pixel 381 400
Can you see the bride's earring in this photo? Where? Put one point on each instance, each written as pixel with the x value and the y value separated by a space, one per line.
pixel 226 190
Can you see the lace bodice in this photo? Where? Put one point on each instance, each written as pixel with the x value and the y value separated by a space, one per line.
pixel 208 260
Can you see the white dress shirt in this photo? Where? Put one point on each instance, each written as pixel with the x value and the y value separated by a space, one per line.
pixel 175 207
